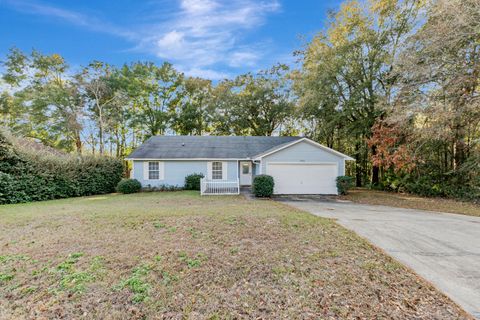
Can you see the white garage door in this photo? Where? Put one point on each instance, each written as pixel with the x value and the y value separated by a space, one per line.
pixel 303 178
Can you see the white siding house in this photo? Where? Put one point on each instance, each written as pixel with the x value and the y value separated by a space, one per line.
pixel 298 165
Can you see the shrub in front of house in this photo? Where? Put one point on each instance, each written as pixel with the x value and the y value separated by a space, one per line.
pixel 262 186
pixel 129 186
pixel 344 183
pixel 28 175
pixel 162 188
pixel 192 181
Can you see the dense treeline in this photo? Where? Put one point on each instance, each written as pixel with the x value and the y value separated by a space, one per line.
pixel 395 84
pixel 102 109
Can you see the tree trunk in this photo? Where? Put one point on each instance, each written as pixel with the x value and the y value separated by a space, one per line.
pixel 118 143
pixel 330 139
pixel 123 142
pixel 375 169
pixel 375 175
pixel 100 130
pixel 445 158
pixel 93 143
pixel 100 137
pixel 358 170
pixel 459 148
pixel 78 142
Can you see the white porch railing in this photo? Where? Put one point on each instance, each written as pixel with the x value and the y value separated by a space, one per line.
pixel 219 187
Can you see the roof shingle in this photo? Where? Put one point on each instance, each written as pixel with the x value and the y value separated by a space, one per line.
pixel 207 147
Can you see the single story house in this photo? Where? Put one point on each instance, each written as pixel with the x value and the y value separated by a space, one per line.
pixel 298 165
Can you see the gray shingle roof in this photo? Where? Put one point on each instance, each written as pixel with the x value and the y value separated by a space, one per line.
pixel 207 147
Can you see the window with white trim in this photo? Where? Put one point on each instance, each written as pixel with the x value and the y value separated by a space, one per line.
pixel 153 170
pixel 217 170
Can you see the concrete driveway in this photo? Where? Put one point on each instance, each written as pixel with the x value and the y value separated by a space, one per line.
pixel 441 247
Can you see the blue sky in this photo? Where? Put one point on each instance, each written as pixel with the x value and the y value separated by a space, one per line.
pixel 208 38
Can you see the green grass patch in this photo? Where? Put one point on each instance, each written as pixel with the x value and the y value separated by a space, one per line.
pixel 137 283
pixel 192 262
pixel 75 280
pixel 159 225
pixel 6 277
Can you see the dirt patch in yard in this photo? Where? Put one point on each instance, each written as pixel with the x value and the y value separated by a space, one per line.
pixel 408 201
pixel 178 255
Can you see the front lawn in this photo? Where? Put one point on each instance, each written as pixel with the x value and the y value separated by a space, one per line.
pixel 409 201
pixel 178 255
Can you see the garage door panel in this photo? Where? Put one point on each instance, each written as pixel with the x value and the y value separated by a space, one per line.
pixel 303 178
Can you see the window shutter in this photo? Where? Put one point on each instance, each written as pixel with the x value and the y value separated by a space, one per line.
pixel 224 170
pixel 161 170
pixel 209 170
pixel 145 170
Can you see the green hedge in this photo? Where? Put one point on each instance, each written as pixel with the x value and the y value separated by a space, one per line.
pixel 263 186
pixel 34 176
pixel 463 184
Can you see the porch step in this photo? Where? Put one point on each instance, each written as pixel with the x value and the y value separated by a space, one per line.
pixel 246 189
pixel 247 192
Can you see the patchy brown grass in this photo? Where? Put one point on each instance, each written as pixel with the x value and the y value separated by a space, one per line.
pixel 402 200
pixel 181 256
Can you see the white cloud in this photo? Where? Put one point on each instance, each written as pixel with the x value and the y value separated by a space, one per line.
pixel 173 41
pixel 198 6
pixel 205 33
pixel 72 17
pixel 205 73
pixel 243 58
pixel 200 36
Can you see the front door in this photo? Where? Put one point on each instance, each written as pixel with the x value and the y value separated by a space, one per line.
pixel 245 173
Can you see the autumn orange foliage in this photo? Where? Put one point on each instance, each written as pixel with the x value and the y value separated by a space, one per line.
pixel 393 148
